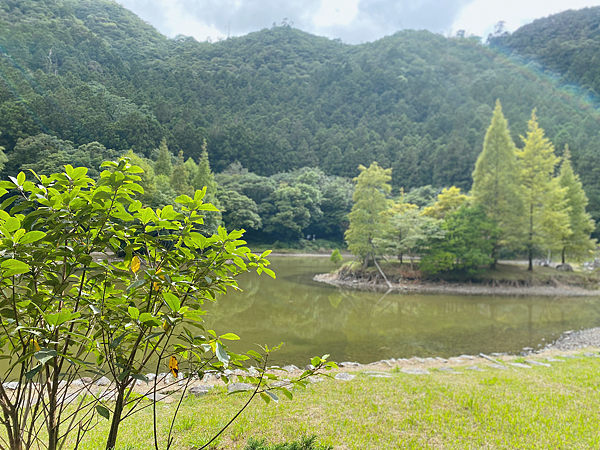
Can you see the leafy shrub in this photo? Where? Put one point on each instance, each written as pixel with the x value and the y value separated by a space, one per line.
pixel 305 443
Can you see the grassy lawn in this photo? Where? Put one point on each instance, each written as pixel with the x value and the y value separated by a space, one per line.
pixel 537 408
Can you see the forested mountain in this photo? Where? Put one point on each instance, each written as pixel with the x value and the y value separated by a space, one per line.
pixel 567 43
pixel 275 100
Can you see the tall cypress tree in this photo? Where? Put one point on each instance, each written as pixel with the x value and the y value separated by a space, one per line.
pixel 578 244
pixel 545 218
pixel 205 177
pixel 179 177
pixel 367 224
pixel 163 165
pixel 496 178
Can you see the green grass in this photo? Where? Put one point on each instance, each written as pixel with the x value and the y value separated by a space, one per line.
pixel 537 408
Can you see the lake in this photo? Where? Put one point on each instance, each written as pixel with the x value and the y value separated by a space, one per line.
pixel 313 318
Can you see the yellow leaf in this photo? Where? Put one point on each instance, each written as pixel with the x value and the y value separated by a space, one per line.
pixel 174 366
pixel 36 346
pixel 135 264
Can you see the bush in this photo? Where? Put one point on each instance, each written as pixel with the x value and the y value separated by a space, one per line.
pixel 305 443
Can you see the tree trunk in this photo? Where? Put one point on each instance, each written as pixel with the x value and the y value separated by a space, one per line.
pixel 563 254
pixel 530 255
pixel 111 442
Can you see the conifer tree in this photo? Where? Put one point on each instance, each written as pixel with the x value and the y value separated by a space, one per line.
pixel 496 179
pixel 578 244
pixel 367 224
pixel 163 165
pixel 448 201
pixel 179 177
pixel 545 220
pixel 204 176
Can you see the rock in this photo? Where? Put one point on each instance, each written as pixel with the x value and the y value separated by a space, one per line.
pixel 151 376
pixel 564 267
pixel 372 372
pixel 13 385
pixel 414 371
pixel 442 359
pixel 456 360
pixel 199 391
pixel 344 376
pixel 467 357
pixel 537 363
pixel 447 370
pixel 386 362
pixel 236 387
pixel 162 376
pixel 309 367
pixel 156 397
pixel 554 360
pixel 475 369
pixel 348 364
pixel 522 366
pixel 380 376
pixel 591 355
pixel 290 368
pixel 82 381
pixel 497 366
pixel 104 382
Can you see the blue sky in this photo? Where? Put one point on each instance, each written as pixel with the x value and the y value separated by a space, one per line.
pixel 354 21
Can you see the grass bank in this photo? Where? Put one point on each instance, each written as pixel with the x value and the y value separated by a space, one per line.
pixel 533 407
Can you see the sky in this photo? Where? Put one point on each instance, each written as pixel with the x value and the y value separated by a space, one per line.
pixel 352 21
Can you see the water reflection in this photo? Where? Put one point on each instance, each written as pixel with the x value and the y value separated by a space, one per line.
pixel 314 319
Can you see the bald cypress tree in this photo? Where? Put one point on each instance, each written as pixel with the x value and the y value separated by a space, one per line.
pixel 367 224
pixel 578 244
pixel 545 219
pixel 496 179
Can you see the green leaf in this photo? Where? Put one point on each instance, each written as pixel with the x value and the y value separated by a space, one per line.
pixel 45 355
pixel 287 393
pixel 115 343
pixel 265 397
pixel 230 337
pixel 134 313
pixel 33 372
pixel 222 354
pixel 14 267
pixel 272 395
pixel 61 317
pixel 103 411
pixel 32 236
pixel 21 178
pixel 172 301
pixel 136 284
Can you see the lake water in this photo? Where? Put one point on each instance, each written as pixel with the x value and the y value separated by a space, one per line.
pixel 313 318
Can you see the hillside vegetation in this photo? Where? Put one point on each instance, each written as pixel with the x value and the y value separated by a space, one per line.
pixel 276 100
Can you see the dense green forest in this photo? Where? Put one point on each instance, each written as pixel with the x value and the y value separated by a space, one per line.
pixel 567 43
pixel 86 80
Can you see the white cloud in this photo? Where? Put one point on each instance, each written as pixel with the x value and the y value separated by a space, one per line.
pixel 352 20
pixel 479 17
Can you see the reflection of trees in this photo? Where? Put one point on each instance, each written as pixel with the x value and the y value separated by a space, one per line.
pixel 316 319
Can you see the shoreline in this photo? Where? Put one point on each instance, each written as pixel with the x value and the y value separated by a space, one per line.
pixel 431 287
